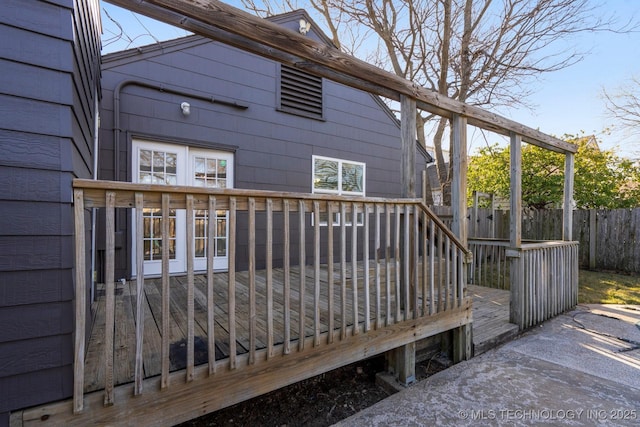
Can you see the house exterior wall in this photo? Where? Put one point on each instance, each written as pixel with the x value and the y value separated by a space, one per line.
pixel 49 78
pixel 273 149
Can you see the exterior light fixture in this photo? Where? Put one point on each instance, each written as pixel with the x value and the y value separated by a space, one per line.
pixel 186 108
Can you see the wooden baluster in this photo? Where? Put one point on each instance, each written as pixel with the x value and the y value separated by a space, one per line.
pixel 432 267
pixel 406 260
pixel 287 277
pixel 387 262
pixel 414 264
pixel 301 262
pixel 447 281
pixel 110 295
pixel 231 284
pixel 252 280
pixel 164 379
pixel 425 271
pixel 211 234
pixel 440 272
pixel 354 265
pixel 80 303
pixel 330 277
pixel 377 260
pixel 139 373
pixel 343 271
pixel 316 273
pixel 269 261
pixel 396 256
pixel 190 288
pixel 365 255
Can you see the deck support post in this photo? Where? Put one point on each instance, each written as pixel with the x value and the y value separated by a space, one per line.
pixel 401 363
pixel 462 343
pixel 516 270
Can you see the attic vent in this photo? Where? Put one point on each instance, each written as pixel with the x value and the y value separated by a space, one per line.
pixel 300 93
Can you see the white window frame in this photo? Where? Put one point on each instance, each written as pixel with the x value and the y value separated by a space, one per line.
pixel 339 191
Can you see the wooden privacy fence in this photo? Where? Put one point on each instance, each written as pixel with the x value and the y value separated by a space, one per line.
pixel 542 276
pixel 609 238
pixel 355 277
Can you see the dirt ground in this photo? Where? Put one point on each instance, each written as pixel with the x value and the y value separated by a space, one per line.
pixel 318 401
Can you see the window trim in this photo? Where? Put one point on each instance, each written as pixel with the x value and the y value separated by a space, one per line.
pixel 339 191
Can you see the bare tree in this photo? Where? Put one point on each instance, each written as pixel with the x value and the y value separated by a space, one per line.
pixel 623 105
pixel 482 52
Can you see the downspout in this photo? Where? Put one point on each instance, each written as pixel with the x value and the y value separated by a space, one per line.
pixel 96 131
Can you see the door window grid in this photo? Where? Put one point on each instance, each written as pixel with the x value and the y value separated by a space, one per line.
pixel 220 240
pixel 210 172
pixel 152 235
pixel 157 167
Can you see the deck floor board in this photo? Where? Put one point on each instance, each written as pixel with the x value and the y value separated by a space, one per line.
pixel 489 310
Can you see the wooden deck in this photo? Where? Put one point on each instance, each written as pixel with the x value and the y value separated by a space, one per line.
pixel 125 306
pixel 490 313
pixel 491 325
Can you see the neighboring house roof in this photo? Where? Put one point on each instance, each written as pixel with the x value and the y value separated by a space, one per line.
pixel 432 172
pixel 589 141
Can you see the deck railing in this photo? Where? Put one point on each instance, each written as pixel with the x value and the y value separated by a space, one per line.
pixel 490 266
pixel 542 276
pixel 378 263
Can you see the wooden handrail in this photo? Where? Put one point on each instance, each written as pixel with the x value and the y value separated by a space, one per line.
pixel 94 198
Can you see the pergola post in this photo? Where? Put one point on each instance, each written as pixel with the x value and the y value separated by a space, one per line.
pixel 516 265
pixel 462 341
pixel 459 179
pixel 567 205
pixel 402 360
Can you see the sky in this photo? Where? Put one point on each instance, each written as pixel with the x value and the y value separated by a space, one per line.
pixel 568 101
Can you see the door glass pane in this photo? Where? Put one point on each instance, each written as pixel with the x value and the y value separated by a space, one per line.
pixel 145 160
pixel 200 223
pixel 221 233
pixel 152 234
pixel 222 174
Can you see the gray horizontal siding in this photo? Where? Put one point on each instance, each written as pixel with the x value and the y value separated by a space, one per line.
pixel 35 287
pixel 36 49
pixel 40 356
pixel 19 253
pixel 26 150
pixel 49 57
pixel 30 388
pixel 274 148
pixel 35 321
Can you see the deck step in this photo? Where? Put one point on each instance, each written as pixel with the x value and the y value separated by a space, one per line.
pixel 487 339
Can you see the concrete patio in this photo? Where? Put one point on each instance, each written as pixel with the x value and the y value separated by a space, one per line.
pixel 580 368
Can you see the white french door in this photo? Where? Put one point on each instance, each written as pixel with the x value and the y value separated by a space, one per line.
pixel 169 164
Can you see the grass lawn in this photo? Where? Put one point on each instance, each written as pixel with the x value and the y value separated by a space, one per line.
pixel 607 288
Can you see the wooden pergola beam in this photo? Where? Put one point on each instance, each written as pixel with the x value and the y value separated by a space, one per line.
pixel 212 18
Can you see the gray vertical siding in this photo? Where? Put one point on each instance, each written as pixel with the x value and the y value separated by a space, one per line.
pixel 274 149
pixel 49 73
